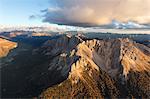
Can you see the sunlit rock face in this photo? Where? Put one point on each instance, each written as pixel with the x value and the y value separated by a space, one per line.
pixel 6 46
pixel 116 56
pixel 100 65
pixel 135 57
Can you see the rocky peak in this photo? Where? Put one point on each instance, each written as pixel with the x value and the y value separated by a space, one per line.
pixel 63 44
pixel 116 56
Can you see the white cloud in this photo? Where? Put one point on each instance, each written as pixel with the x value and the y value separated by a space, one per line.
pixel 97 12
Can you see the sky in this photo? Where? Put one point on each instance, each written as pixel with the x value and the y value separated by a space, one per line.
pixel 85 13
pixel 13 12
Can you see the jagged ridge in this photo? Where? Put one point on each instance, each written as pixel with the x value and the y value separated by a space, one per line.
pixel 100 66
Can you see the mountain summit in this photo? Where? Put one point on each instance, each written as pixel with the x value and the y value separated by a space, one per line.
pixel 105 69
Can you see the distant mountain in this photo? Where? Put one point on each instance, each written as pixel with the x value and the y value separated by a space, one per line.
pixel 6 46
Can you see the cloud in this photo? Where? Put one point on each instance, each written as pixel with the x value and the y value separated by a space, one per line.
pixel 97 12
pixel 33 17
pixel 127 25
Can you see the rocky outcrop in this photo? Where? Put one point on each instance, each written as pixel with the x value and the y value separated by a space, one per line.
pixel 103 66
pixel 6 46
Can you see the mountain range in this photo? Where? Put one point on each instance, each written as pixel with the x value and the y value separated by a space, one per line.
pixel 76 66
